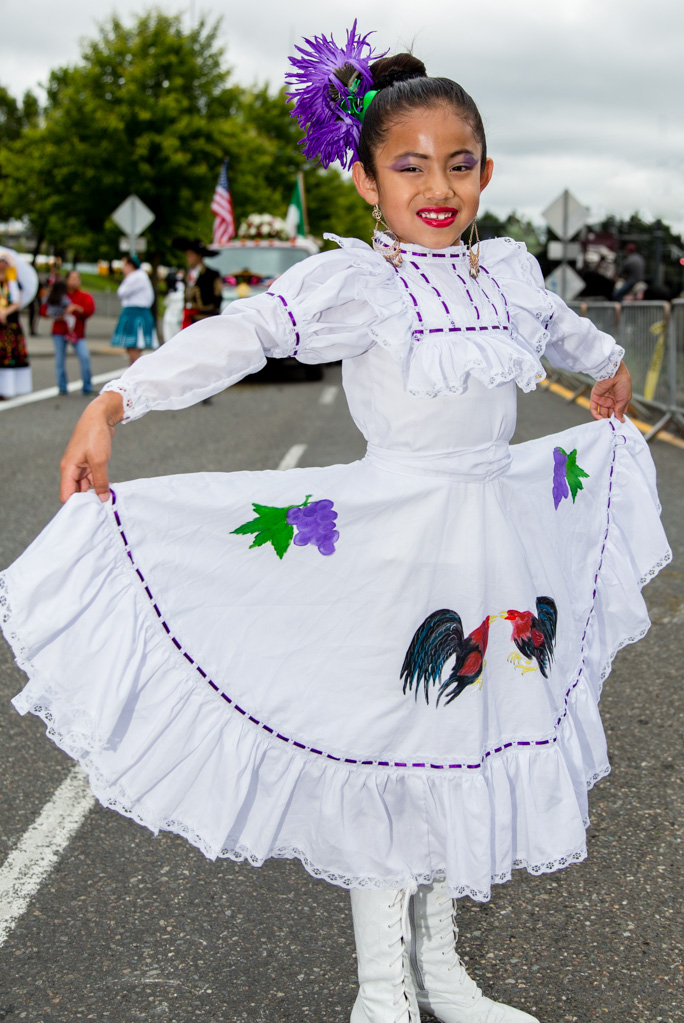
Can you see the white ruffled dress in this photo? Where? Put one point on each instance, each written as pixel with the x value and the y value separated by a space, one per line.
pixel 264 698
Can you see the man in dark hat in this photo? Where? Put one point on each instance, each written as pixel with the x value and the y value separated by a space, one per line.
pixel 203 286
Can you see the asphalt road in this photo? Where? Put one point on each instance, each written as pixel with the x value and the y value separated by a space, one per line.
pixel 129 927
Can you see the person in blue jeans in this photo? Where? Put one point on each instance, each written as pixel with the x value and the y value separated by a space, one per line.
pixel 70 308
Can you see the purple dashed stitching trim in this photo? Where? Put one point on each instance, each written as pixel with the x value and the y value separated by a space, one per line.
pixel 596 575
pixel 458 330
pixel 498 287
pixel 441 330
pixel 437 293
pixel 467 291
pixel 411 295
pixel 275 294
pixel 491 302
pixel 387 763
pixel 435 255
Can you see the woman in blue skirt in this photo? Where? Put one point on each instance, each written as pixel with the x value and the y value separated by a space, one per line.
pixel 136 329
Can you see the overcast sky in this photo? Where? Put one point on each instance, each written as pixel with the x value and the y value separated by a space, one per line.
pixel 579 94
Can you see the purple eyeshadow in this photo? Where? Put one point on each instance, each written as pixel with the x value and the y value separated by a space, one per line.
pixel 466 159
pixel 403 164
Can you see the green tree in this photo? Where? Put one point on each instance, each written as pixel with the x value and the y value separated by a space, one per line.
pixel 149 109
pixel 15 118
pixel 513 226
pixel 142 112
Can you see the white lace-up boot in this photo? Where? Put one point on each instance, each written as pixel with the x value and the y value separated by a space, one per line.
pixel 381 930
pixel 444 989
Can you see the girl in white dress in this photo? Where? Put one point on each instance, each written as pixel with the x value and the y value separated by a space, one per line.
pixel 390 669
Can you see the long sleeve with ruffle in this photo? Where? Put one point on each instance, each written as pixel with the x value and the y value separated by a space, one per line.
pixel 567 340
pixel 321 310
pixel 439 325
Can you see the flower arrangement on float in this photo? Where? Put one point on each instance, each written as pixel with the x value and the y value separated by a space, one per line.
pixel 263 225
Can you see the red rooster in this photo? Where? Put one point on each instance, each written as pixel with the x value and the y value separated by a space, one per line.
pixel 535 636
pixel 434 642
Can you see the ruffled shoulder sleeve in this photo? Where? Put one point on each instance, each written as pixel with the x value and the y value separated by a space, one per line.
pixel 335 305
pixel 338 304
pixel 541 322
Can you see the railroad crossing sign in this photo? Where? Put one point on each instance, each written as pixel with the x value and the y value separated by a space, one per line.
pixel 132 216
pixel 565 216
pixel 565 282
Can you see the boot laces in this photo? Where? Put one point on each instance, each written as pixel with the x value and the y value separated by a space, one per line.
pixel 449 936
pixel 402 1002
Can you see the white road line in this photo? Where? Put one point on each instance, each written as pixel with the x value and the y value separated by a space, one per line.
pixel 27 866
pixel 52 392
pixel 291 457
pixel 328 395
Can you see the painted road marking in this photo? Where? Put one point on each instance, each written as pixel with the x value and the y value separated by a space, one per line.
pixel 328 395
pixel 41 846
pixel 564 392
pixel 52 392
pixel 291 458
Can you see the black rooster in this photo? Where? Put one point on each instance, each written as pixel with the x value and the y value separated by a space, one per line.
pixel 434 642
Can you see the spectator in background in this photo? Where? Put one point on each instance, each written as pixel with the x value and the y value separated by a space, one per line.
pixel 174 278
pixel 597 282
pixel 203 287
pixel 633 272
pixel 136 329
pixel 70 307
pixel 15 374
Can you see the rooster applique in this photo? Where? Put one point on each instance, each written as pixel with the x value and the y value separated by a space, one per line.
pixel 534 635
pixel 439 638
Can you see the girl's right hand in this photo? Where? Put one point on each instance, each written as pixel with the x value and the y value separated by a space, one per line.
pixel 84 463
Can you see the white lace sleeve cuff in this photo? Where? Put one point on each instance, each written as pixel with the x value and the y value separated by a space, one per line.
pixel 134 404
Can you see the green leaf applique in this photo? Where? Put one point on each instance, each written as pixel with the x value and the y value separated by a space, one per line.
pixel 270 526
pixel 574 474
pixel 306 523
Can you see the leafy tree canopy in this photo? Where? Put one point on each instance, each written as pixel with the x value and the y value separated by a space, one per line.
pixel 514 226
pixel 15 118
pixel 149 109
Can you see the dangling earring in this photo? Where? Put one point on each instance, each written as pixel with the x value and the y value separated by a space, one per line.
pixel 391 253
pixel 474 254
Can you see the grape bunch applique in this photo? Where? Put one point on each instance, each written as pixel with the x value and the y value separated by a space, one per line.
pixel 315 524
pixel 313 521
pixel 567 476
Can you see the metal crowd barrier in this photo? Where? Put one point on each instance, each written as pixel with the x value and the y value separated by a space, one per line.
pixel 652 334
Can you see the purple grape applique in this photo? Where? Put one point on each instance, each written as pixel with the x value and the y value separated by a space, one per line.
pixel 567 476
pixel 314 524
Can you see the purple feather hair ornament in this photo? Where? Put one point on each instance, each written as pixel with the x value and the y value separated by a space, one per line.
pixel 324 104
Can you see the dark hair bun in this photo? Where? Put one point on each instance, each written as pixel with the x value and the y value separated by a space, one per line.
pixel 399 68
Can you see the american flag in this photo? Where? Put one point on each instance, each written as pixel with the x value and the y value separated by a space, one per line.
pixel 222 206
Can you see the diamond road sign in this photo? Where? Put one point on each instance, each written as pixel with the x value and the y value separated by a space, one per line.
pixel 132 216
pixel 565 282
pixel 565 216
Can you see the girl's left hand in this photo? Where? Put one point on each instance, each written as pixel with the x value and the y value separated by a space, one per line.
pixel 612 396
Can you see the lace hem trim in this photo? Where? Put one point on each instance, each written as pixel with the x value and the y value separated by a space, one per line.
pixel 112 799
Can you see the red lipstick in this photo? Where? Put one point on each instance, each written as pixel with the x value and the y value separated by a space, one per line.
pixel 438 216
